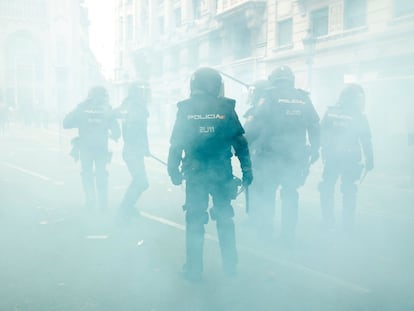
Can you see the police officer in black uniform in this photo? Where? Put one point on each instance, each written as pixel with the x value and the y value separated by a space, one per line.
pixel 345 135
pixel 134 115
pixel 256 97
pixel 206 129
pixel 95 121
pixel 285 132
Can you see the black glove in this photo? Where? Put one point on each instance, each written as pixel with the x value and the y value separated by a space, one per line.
pixel 176 178
pixel 247 177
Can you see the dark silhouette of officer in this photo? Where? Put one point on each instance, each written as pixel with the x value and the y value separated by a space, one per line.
pixel 284 130
pixel 96 122
pixel 346 136
pixel 134 115
pixel 205 131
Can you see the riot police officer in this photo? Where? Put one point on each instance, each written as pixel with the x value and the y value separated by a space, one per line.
pixel 345 135
pixel 279 128
pixel 134 115
pixel 206 128
pixel 256 97
pixel 95 121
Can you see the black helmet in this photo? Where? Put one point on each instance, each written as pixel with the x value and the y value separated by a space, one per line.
pixel 352 97
pixel 282 74
pixel 98 94
pixel 206 80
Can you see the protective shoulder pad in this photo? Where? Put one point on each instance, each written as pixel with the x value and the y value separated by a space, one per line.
pixel 183 103
pixel 303 92
pixel 228 101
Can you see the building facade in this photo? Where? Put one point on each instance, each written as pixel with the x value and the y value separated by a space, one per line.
pixel 45 60
pixel 326 42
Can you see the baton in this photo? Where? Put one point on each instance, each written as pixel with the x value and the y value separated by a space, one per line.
pixel 158 159
pixel 235 79
pixel 245 189
pixel 246 194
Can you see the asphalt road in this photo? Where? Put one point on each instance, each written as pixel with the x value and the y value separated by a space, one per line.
pixel 57 255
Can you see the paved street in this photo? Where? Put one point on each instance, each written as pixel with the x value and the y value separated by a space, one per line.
pixel 57 255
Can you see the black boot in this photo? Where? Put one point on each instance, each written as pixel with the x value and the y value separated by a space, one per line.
pixel 227 241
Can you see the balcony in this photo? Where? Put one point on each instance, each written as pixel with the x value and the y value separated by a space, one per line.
pixel 249 12
pixel 232 8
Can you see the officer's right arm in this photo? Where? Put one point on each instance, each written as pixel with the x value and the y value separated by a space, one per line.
pixel 241 148
pixel 71 120
pixel 254 123
pixel 176 148
pixel 313 128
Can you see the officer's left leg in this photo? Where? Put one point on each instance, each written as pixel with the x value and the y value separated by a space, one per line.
pixel 196 217
pixel 223 213
pixel 290 181
pixel 88 182
pixel 326 192
pixel 138 185
pixel 290 204
pixel 349 195
pixel 101 176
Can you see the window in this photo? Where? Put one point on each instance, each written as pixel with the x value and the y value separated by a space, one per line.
pixel 161 25
pixel 129 27
pixel 121 60
pixel 121 29
pixel 174 60
pixel 196 9
pixel 194 55
pixel 284 32
pixel 144 17
pixel 242 46
pixel 319 22
pixel 215 49
pixel 177 17
pixel 403 7
pixel 355 13
pixel 61 49
pixel 157 63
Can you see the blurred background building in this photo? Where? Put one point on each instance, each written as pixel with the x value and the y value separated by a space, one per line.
pixel 46 65
pixel 326 42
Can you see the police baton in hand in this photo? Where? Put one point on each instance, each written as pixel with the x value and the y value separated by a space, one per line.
pixel 245 189
pixel 246 194
pixel 158 159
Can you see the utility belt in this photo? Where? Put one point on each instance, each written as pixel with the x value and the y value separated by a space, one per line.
pixel 79 147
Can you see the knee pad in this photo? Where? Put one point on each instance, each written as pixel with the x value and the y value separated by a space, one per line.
pixel 289 193
pixel 349 189
pixel 196 217
pixel 222 212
